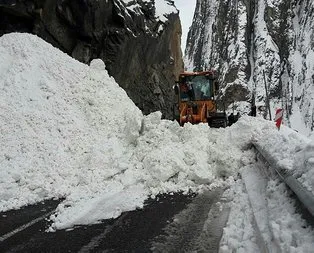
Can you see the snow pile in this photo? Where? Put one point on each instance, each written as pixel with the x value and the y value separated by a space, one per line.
pixel 68 130
pixel 262 217
pixel 288 150
pixel 64 125
pixel 239 231
pixel 166 158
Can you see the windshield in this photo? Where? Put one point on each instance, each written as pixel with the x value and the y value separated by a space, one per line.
pixel 195 88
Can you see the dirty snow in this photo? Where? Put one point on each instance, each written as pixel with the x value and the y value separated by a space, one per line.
pixel 68 130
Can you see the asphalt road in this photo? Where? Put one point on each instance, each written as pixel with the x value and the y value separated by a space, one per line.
pixel 169 223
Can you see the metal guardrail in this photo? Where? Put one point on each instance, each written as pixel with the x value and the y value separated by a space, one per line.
pixel 306 197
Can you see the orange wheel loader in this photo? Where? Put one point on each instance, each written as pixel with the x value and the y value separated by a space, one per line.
pixel 195 99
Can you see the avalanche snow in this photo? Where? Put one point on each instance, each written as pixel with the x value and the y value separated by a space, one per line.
pixel 68 130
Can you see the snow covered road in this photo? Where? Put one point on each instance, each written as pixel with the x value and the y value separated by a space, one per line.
pixel 176 223
pixel 266 216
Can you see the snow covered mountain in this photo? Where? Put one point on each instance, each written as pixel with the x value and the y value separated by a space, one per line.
pixel 245 39
pixel 139 40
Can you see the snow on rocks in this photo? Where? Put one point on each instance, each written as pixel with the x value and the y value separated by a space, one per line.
pixel 162 9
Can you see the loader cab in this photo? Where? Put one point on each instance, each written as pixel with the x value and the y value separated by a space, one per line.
pixel 195 99
pixel 196 87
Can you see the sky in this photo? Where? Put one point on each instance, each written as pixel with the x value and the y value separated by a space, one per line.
pixel 68 130
pixel 186 8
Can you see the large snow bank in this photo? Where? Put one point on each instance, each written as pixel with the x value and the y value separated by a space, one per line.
pixel 289 150
pixel 68 130
pixel 263 216
pixel 64 125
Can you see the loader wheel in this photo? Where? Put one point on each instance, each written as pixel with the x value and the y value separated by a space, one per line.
pixel 217 123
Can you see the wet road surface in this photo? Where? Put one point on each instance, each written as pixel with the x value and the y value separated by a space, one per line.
pixel 169 223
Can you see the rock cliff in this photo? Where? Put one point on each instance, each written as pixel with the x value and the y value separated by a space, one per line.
pixel 255 42
pixel 138 40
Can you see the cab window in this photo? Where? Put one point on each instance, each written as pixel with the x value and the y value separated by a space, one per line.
pixel 196 88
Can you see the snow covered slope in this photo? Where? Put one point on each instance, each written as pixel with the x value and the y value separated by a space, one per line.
pixel 61 121
pixel 68 130
pixel 245 39
pixel 139 40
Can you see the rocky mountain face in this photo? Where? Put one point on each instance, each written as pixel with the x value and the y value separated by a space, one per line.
pixel 258 45
pixel 139 40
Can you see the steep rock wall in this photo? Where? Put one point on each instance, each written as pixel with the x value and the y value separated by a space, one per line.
pixel 221 43
pixel 139 44
pixel 251 43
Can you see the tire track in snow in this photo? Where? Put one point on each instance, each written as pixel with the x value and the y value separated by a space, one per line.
pixel 255 186
pixel 197 228
pixel 255 179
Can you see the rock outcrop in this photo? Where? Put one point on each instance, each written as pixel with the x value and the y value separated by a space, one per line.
pixel 139 44
pixel 251 43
